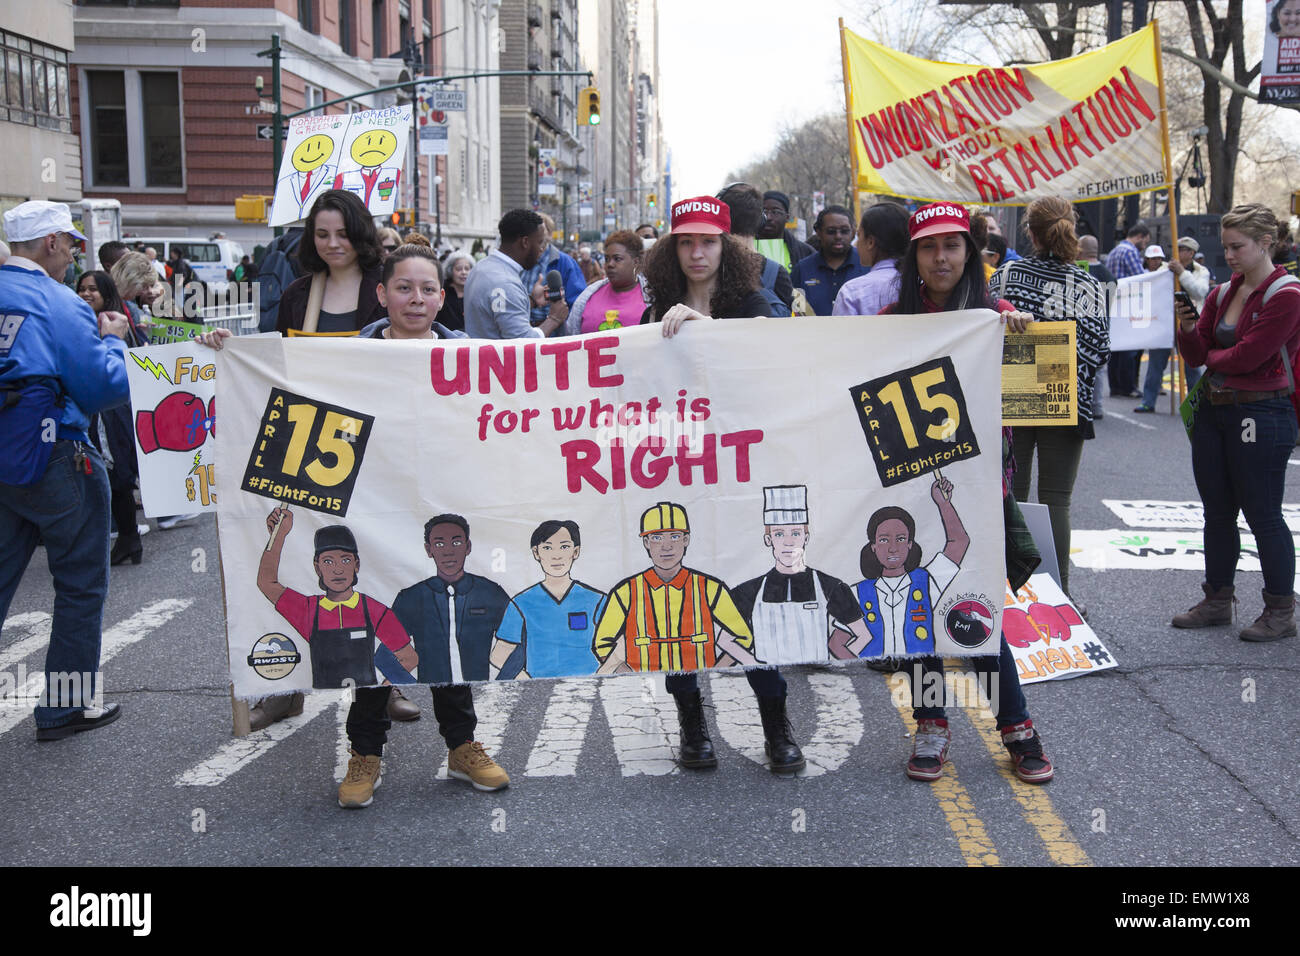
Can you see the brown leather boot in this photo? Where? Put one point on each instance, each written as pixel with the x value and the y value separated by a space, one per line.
pixel 270 710
pixel 1214 610
pixel 1277 621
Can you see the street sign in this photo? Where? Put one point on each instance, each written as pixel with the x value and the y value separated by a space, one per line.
pixel 267 106
pixel 447 100
pixel 264 131
pixel 434 140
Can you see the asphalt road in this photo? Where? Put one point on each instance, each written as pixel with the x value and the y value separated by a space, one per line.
pixel 1184 754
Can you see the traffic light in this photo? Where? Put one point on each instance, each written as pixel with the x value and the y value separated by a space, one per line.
pixel 651 200
pixel 402 217
pixel 589 107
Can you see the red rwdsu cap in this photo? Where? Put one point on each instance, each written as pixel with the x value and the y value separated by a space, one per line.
pixel 936 218
pixel 702 214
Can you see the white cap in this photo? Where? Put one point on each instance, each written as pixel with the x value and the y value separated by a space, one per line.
pixel 37 219
pixel 785 504
pixel 1153 252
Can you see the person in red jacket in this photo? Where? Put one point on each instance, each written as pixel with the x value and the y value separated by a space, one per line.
pixel 1244 431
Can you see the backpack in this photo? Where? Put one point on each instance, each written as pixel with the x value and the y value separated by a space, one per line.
pixel 278 270
pixel 771 269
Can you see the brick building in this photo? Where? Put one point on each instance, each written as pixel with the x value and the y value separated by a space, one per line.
pixel 166 109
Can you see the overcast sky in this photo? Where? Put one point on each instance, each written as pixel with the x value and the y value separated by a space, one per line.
pixel 732 72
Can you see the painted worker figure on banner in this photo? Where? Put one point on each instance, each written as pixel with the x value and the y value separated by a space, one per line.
pixel 312 174
pixel 454 615
pixel 373 181
pixel 669 617
pixel 553 622
pixel 350 633
pixel 898 595
pixel 793 608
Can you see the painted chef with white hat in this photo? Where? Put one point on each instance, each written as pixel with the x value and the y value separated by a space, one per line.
pixel 792 606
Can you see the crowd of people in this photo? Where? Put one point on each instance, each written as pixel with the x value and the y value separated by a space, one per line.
pixel 728 256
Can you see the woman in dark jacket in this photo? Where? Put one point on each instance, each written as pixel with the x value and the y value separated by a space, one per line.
pixel 341 252
pixel 111 429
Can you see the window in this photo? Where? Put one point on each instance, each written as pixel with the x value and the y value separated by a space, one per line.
pixel 109 164
pixel 378 24
pixel 131 128
pixel 305 19
pixel 33 84
pixel 160 97
pixel 198 251
pixel 313 96
pixel 347 29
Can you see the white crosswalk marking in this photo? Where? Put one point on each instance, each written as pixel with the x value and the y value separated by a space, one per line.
pixel 736 712
pixel 564 729
pixel 37 624
pixel 492 703
pixel 839 723
pixel 121 636
pixel 638 711
pixel 839 720
pixel 235 755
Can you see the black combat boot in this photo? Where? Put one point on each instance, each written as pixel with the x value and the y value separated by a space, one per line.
pixel 781 749
pixel 696 747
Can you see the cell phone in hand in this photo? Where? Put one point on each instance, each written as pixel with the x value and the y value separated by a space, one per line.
pixel 1182 298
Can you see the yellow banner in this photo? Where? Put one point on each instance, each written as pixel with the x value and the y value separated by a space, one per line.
pixel 1083 128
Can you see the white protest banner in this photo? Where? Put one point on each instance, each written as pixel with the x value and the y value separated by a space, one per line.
pixel 1150 550
pixel 173 408
pixel 360 152
pixel 554 494
pixel 1142 312
pixel 1183 514
pixel 1279 75
pixel 1047 637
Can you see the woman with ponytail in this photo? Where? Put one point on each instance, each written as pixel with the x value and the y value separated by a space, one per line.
pixel 1049 286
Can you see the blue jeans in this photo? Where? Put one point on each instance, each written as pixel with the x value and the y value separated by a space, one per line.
pixel 1233 475
pixel 1011 705
pixel 1157 359
pixel 68 510
pixel 764 681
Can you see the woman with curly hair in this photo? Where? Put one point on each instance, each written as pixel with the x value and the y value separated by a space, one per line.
pixel 699 271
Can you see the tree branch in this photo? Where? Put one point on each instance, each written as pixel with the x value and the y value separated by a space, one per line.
pixel 1210 70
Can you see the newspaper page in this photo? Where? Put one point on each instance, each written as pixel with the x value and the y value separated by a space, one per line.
pixel 1038 376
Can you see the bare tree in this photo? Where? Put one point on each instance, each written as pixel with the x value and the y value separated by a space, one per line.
pixel 807 158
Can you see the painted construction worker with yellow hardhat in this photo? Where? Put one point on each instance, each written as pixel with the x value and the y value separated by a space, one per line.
pixel 671 618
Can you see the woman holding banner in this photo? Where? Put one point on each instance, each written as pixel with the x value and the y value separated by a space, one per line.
pixel 1244 429
pixel 343 258
pixel 1051 287
pixel 700 272
pixel 943 271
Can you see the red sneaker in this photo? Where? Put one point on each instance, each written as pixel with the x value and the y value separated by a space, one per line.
pixel 929 750
pixel 1026 749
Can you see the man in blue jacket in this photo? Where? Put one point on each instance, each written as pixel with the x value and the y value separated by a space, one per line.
pixel 58 365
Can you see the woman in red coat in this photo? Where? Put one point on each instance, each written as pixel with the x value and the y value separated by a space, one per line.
pixel 1245 428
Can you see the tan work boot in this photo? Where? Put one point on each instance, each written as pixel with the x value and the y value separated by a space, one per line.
pixel 1214 610
pixel 400 707
pixel 270 710
pixel 1277 621
pixel 363 779
pixel 469 762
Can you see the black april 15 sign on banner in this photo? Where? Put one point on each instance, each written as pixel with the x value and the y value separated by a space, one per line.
pixel 308 452
pixel 915 420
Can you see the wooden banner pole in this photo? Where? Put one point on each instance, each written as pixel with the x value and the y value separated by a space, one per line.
pixel 848 118
pixel 1177 375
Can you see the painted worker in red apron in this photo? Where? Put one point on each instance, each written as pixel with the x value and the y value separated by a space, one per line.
pixel 793 608
pixel 350 634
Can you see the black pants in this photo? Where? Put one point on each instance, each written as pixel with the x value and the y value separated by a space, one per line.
pixel 1122 371
pixel 123 508
pixel 368 721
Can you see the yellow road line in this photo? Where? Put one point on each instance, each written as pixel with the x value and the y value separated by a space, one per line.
pixel 958 808
pixel 1034 802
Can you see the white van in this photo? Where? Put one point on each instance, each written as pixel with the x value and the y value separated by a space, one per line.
pixel 213 260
